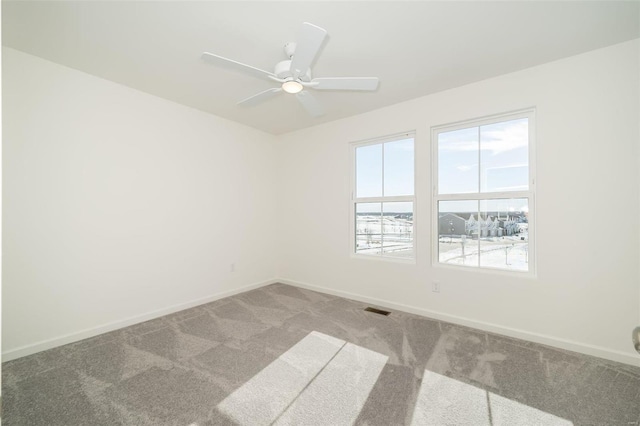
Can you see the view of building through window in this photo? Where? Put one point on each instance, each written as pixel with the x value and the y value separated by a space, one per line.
pixel 384 198
pixel 494 234
pixel 482 202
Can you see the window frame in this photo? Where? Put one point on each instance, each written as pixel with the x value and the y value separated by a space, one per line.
pixel 353 200
pixel 530 194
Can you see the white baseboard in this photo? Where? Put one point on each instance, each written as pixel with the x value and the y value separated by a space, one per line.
pixel 494 328
pixel 91 332
pixel 570 345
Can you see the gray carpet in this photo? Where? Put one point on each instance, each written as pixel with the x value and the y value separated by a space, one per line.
pixel 286 356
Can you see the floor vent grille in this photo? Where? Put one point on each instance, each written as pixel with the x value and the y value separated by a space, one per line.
pixel 377 311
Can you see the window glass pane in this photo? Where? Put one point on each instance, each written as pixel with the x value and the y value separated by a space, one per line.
pixel 369 228
pixel 397 229
pixel 458 153
pixel 398 168
pixel 458 232
pixel 504 156
pixel 369 171
pixel 504 233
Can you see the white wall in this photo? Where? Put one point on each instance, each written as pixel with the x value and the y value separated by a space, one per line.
pixel 120 206
pixel 586 293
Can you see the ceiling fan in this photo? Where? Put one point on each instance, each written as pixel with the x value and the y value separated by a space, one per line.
pixel 294 74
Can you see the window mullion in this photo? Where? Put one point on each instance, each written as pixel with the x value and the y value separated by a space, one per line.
pixel 479 192
pixel 395 198
pixel 479 239
pixel 483 196
pixel 479 163
pixel 382 207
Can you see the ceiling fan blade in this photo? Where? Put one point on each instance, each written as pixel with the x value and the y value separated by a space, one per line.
pixel 310 103
pixel 234 65
pixel 345 83
pixel 262 96
pixel 310 39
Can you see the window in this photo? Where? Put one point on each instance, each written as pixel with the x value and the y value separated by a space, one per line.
pixel 483 193
pixel 383 199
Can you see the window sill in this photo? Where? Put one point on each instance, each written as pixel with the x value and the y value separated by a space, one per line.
pixel 527 275
pixel 383 258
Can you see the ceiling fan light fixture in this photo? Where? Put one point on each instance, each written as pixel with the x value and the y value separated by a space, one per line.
pixel 292 87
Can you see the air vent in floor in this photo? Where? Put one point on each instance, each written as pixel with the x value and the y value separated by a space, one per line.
pixel 377 311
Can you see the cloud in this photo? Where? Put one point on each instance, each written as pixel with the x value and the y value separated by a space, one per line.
pixel 496 138
pixel 466 168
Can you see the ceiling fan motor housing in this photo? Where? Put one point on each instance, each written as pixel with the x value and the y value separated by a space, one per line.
pixel 283 70
pixel 289 49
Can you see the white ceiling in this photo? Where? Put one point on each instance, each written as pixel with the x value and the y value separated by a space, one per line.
pixel 415 48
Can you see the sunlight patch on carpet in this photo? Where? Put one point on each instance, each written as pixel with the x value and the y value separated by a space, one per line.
pixel 443 400
pixel 321 379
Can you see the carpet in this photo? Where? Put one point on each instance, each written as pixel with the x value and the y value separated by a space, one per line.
pixel 280 355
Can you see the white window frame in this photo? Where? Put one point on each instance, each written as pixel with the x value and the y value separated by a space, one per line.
pixel 528 113
pixel 403 198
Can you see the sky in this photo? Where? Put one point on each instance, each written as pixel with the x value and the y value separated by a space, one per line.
pixel 398 179
pixel 488 158
pixel 398 169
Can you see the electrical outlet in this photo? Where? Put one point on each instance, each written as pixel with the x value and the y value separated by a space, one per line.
pixel 233 267
pixel 435 286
